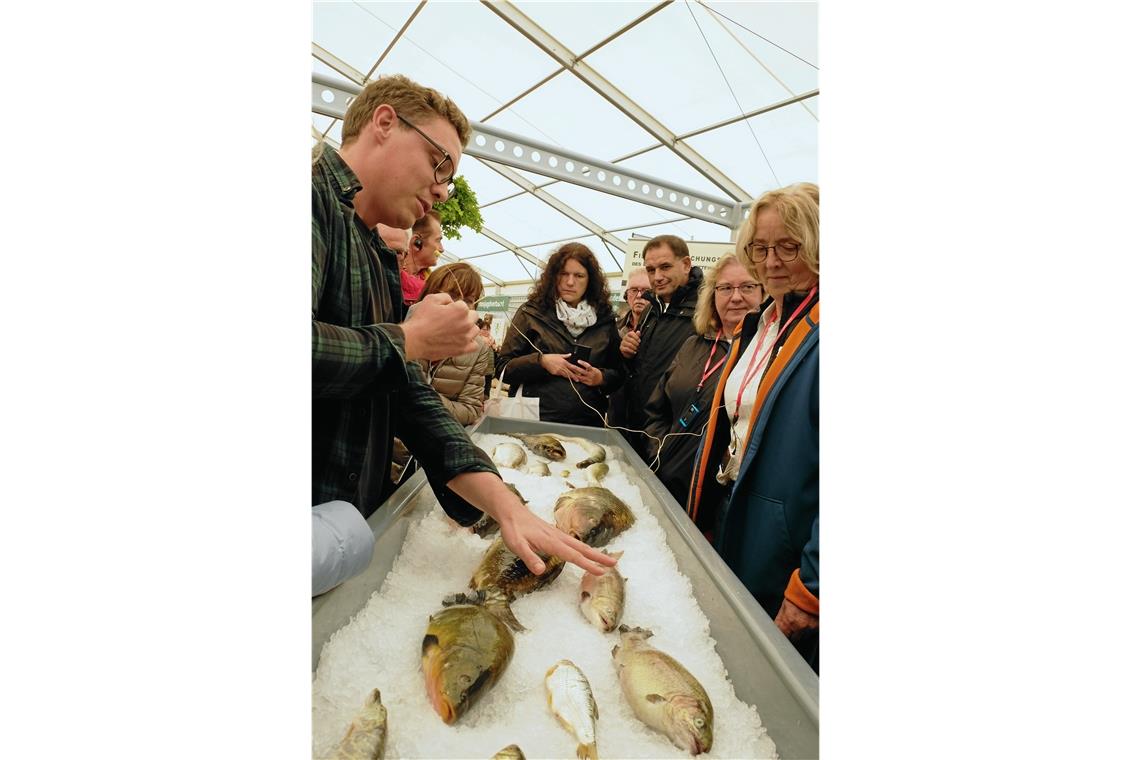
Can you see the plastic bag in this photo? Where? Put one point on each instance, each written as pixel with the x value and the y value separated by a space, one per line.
pixel 518 407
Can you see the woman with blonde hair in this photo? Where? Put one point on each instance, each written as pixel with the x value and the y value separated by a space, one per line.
pixel 756 479
pixel 459 380
pixel 679 405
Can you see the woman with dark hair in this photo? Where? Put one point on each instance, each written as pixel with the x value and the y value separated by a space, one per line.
pixel 562 344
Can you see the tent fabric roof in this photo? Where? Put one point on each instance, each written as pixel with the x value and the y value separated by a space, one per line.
pixel 685 65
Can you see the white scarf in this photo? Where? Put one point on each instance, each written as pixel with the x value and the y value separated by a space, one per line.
pixel 576 318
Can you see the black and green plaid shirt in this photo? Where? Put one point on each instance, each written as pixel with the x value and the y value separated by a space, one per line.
pixel 363 389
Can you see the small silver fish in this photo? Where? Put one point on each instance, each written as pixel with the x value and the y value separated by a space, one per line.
pixel 570 699
pixel 509 455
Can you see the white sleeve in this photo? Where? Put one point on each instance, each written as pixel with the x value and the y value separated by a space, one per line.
pixel 342 544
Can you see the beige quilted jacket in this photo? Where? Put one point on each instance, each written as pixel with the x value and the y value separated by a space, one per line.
pixel 460 381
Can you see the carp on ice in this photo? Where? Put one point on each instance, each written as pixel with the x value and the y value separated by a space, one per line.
pixel 465 650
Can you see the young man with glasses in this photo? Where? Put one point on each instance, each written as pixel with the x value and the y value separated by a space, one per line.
pixel 401 146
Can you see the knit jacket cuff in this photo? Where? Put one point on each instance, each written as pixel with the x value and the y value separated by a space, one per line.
pixel 797 593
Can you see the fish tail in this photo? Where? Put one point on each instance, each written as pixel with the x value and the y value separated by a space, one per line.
pixel 588 751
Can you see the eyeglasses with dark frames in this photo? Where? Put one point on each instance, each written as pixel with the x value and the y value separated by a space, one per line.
pixel 746 289
pixel 444 171
pixel 785 249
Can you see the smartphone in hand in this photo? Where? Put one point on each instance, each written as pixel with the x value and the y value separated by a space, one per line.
pixel 581 353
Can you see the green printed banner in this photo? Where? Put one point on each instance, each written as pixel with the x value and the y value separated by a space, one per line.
pixel 496 304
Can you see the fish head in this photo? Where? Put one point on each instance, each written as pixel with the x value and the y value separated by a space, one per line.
pixel 453 677
pixel 602 615
pixel 552 450
pixel 690 724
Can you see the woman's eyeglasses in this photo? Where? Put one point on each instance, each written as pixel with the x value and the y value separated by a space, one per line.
pixel 786 250
pixel 747 289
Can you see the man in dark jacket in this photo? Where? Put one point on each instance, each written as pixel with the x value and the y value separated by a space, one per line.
pixel 665 325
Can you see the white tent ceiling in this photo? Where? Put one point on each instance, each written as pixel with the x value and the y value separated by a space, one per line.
pixel 614 81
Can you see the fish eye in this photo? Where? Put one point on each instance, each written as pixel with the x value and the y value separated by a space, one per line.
pixel 464 679
pixel 699 722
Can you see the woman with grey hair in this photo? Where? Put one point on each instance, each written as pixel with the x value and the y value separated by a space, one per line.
pixel 756 480
pixel 679 406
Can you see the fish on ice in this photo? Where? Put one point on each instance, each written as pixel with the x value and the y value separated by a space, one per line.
pixel 602 597
pixel 663 694
pixel 508 455
pixel 592 514
pixel 367 733
pixel 544 445
pixel 570 698
pixel 465 650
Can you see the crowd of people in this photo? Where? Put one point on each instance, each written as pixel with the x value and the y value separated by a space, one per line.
pixel 713 377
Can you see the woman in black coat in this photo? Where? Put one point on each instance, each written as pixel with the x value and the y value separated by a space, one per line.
pixel 562 344
pixel 680 402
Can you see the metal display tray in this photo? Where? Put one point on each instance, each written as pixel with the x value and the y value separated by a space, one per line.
pixel 765 669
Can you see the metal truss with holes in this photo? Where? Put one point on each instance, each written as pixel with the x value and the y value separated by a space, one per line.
pixel 332 97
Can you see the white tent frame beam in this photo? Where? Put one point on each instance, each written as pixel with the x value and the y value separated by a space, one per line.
pixel 509 149
pixel 582 236
pixel 392 44
pixel 559 70
pixel 331 98
pixel 336 64
pixel 553 202
pixel 512 247
pixel 599 84
pixel 732 120
pixel 754 57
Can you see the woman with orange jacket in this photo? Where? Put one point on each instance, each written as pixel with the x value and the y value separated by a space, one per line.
pixel 756 482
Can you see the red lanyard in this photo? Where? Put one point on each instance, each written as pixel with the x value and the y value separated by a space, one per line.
pixel 750 372
pixel 707 371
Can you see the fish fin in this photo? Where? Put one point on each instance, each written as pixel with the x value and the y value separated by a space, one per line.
pixel 505 614
pixel 613 652
pixel 654 698
pixel 588 751
pixel 593 706
pixel 373 698
pixel 569 484
pixel 584 597
pixel 475 597
pixel 616 555
pixel 623 628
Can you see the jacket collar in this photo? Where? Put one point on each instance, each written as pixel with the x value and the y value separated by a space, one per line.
pixel 682 295
pixel 345 180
